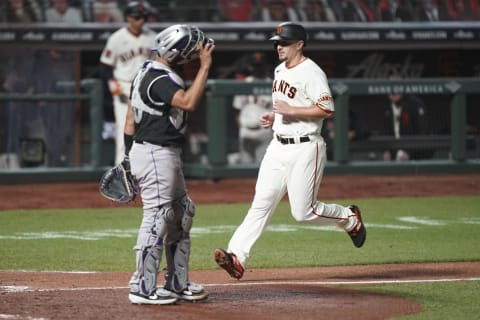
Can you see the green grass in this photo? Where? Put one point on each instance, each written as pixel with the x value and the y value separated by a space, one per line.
pixel 67 239
pixel 400 230
pixel 440 301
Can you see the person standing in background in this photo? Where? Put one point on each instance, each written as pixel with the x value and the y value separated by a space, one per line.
pixel 125 51
pixel 394 10
pixel 23 11
pixel 357 130
pixel 106 11
pixel 56 64
pixel 253 139
pixel 404 115
pixel 236 10
pixel 317 10
pixel 8 152
pixel 278 10
pixel 62 12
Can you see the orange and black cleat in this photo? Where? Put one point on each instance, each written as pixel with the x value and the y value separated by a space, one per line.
pixel 358 233
pixel 229 262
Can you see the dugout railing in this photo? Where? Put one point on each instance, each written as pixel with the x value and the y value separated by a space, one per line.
pixel 218 143
pixel 88 146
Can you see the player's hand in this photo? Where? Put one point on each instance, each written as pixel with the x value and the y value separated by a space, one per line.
pixel 266 120
pixel 205 53
pixel 114 87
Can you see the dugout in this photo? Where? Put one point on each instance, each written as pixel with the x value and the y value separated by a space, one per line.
pixel 352 51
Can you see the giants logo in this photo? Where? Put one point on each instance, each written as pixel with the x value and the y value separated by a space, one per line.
pixel 325 101
pixel 131 54
pixel 285 88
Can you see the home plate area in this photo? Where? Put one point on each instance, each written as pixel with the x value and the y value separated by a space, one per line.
pixel 304 293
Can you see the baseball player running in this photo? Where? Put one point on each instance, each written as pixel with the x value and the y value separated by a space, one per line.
pixel 154 136
pixel 295 159
pixel 125 51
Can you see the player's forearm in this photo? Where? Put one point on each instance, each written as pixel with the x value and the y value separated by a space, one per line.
pixel 313 112
pixel 198 86
pixel 129 128
pixel 305 112
pixel 189 99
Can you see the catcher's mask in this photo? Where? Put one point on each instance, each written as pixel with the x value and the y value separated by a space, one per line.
pixel 289 31
pixel 177 44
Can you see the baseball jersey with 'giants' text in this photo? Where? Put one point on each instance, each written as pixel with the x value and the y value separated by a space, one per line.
pixel 126 52
pixel 302 85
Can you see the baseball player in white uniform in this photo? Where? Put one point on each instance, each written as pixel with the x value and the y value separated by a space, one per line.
pixel 125 51
pixel 295 159
pixel 253 139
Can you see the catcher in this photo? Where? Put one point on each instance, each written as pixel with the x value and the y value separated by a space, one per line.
pixel 154 136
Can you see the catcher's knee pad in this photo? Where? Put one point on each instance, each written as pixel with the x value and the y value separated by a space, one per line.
pixel 152 254
pixel 178 256
pixel 188 212
pixel 164 218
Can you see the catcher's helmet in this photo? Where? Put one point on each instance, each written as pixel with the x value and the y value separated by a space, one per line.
pixel 177 44
pixel 135 9
pixel 289 31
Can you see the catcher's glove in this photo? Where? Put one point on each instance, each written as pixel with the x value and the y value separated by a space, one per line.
pixel 118 184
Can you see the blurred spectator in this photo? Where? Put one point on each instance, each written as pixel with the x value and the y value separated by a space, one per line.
pixel 106 11
pixel 236 10
pixel 195 10
pixel 355 10
pixel 8 152
pixel 54 68
pixel 252 64
pixel 253 139
pixel 165 10
pixel 425 10
pixel 317 10
pixel 394 10
pixel 60 11
pixel 459 10
pixel 357 130
pixel 22 118
pixel 24 11
pixel 278 10
pixel 151 11
pixel 404 115
pixel 57 68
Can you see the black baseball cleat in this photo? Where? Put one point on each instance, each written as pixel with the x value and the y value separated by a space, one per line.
pixel 229 262
pixel 160 296
pixel 358 234
pixel 194 292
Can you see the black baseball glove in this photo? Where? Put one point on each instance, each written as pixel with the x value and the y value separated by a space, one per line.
pixel 118 184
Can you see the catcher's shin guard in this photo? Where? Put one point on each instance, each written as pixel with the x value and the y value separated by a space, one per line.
pixel 151 255
pixel 178 256
pixel 178 247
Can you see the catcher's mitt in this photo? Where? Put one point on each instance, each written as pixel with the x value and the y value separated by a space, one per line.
pixel 118 184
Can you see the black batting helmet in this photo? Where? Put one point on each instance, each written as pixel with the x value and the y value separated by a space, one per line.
pixel 135 9
pixel 290 31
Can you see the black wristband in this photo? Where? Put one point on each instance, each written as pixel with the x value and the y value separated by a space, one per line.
pixel 128 140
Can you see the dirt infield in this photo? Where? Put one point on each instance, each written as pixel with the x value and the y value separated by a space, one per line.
pixel 306 293
pixel 86 195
